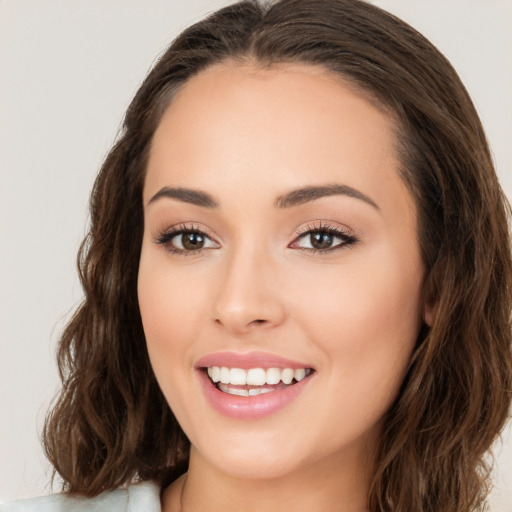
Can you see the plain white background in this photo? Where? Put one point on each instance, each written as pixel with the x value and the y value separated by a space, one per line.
pixel 68 69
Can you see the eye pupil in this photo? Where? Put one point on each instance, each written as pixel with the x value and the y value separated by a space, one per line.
pixel 321 240
pixel 192 241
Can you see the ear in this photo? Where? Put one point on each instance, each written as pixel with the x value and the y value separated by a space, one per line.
pixel 429 314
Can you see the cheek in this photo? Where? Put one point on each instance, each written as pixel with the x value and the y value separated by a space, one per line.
pixel 366 323
pixel 358 298
pixel 169 309
pixel 170 298
pixel 366 319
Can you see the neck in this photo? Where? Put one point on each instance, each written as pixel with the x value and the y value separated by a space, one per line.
pixel 336 484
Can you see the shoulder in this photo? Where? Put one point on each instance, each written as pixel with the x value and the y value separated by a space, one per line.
pixel 140 497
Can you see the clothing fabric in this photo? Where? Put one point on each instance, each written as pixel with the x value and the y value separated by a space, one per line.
pixel 140 497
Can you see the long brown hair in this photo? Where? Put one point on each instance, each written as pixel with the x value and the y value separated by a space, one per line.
pixel 111 424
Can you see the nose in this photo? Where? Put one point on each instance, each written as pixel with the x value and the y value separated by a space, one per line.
pixel 248 298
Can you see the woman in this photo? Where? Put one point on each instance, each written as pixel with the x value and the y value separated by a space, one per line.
pixel 297 276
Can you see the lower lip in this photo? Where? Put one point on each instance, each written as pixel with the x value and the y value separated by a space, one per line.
pixel 250 407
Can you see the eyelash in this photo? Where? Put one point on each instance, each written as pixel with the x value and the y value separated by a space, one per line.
pixel 166 237
pixel 347 238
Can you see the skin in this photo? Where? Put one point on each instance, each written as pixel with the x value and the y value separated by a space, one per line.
pixel 247 136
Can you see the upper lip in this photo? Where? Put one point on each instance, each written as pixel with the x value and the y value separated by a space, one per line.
pixel 248 360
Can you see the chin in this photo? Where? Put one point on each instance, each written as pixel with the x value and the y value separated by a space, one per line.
pixel 254 462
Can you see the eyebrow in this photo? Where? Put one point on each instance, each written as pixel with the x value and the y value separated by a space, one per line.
pixel 186 195
pixel 307 194
pixel 288 200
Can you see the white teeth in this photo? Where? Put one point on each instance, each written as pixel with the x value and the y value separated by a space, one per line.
pixel 287 375
pixel 243 392
pixel 214 373
pixel 273 375
pixel 225 375
pixel 238 376
pixel 255 376
pixel 299 374
pixel 233 391
pixel 260 391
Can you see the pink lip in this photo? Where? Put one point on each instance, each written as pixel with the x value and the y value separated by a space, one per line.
pixel 249 360
pixel 252 407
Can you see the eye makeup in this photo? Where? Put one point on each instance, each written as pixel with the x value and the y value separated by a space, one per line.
pixel 323 238
pixel 315 238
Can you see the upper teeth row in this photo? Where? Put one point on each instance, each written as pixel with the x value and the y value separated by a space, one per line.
pixel 255 376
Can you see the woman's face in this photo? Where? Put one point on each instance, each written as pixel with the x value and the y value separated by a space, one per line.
pixel 279 244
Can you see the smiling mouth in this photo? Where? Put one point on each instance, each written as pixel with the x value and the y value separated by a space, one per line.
pixel 254 381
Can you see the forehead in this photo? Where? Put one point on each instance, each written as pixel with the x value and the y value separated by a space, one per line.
pixel 287 125
pixel 253 90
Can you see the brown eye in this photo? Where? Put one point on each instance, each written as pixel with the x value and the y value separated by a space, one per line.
pixel 324 239
pixel 321 240
pixel 192 241
pixel 185 241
